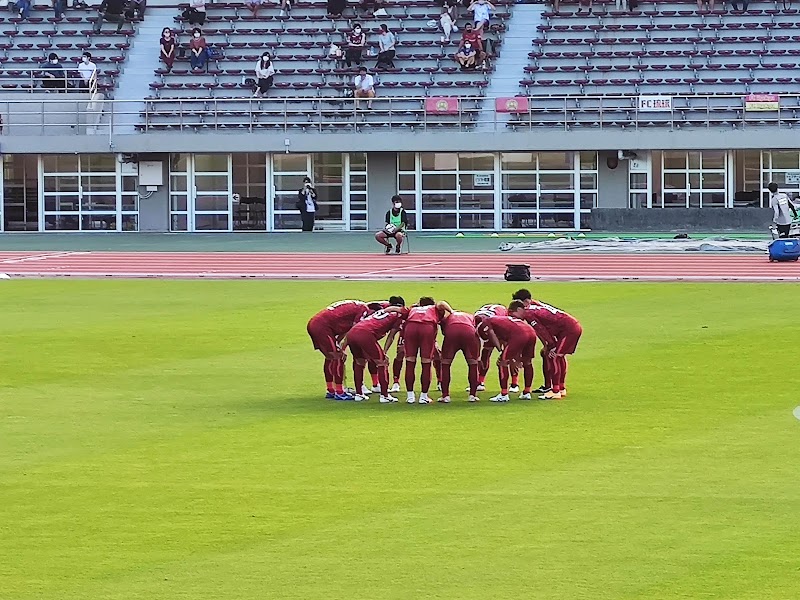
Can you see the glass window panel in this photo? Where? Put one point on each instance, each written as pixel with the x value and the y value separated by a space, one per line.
pixel 358 161
pixel 285 202
pixel 476 221
pixel 638 200
pixel 61 222
pixel 713 159
pixel 713 181
pixel 406 183
pixel 179 163
pixel 555 181
pixel 674 181
pixel 405 161
pixel 61 184
pixel 358 202
pixel 694 200
pixel 130 184
pixel 674 200
pixel 638 181
pixel 556 200
pixel 178 203
pixel 588 161
pixel 330 212
pixel 177 183
pixel 713 200
pixel 439 161
pixel 288 183
pixel 130 202
pixel 99 202
pixel 130 222
pixel 483 161
pixel 358 183
pixel 520 220
pixel 60 163
pixel 257 175
pixel 211 203
pixel 521 181
pixel 102 222
pixel 438 201
pixel 329 193
pixel 439 221
pixel 588 181
pixel 211 222
pixel 178 223
pixel 409 201
pixel 327 168
pixel 527 201
pixel 61 202
pixel 102 183
pixel 287 221
pixel 674 159
pixel 785 159
pixel 556 161
pixel 211 163
pixel 211 183
pixel 98 163
pixel 694 181
pixel 557 220
pixel 476 181
pixel 439 182
pixel 286 163
pixel 476 202
pixel 588 200
pixel 518 161
pixel 694 160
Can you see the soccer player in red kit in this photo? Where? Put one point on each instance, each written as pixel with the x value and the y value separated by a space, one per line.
pixel 460 335
pixel 492 310
pixel 565 331
pixel 419 339
pixel 364 341
pixel 325 329
pixel 371 366
pixel 516 340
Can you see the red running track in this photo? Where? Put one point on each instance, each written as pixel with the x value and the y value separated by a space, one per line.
pixel 226 265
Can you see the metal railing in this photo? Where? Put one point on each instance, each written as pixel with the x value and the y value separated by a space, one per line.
pixel 36 80
pixel 46 114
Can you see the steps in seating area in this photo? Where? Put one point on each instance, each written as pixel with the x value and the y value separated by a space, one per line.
pixel 26 43
pixel 309 91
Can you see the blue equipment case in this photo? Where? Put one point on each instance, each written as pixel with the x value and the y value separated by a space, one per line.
pixel 784 249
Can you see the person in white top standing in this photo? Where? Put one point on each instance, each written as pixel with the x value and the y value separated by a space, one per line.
pixel 364 85
pixel 307 204
pixel 481 10
pixel 783 210
pixel 88 72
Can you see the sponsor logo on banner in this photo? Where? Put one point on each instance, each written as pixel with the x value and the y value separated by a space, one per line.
pixel 791 177
pixel 761 102
pixel 441 106
pixel 655 103
pixel 511 105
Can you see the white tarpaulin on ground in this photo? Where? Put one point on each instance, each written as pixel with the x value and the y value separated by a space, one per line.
pixel 617 244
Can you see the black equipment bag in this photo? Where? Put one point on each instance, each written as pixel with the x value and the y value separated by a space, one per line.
pixel 518 273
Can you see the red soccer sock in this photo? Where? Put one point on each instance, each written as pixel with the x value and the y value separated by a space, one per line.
pixel 472 377
pixel 437 366
pixel 503 372
pixel 425 378
pixel 326 369
pixel 547 372
pixel 527 370
pixel 555 374
pixel 411 375
pixel 563 367
pixel 383 380
pixel 358 376
pixel 375 379
pixel 397 368
pixel 445 379
pixel 515 377
pixel 337 369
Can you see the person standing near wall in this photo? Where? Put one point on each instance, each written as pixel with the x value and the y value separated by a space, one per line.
pixel 307 204
pixel 783 210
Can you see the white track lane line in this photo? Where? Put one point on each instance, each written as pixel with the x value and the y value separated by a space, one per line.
pixel 35 257
pixel 380 271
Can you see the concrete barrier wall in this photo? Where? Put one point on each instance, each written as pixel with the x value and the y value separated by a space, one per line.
pixel 678 219
pixel 74 115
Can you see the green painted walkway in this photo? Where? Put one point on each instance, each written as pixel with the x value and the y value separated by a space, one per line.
pixel 288 242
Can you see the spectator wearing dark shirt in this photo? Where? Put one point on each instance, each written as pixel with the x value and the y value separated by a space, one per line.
pixel 58 7
pixel 356 40
pixel 54 76
pixel 112 11
pixel 167 44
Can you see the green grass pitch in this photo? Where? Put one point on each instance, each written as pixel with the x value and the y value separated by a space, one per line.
pixel 168 440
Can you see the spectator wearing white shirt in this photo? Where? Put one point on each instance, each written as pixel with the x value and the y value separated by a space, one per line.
pixel 265 72
pixel 88 72
pixel 364 85
pixel 783 210
pixel 481 10
pixel 386 52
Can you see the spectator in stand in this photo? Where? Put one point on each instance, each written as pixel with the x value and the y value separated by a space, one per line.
pixel 386 43
pixel 286 6
pixel 23 8
pixel 88 72
pixel 112 11
pixel 265 72
pixel 451 6
pixel 255 6
pixel 491 40
pixel 196 13
pixel 168 44
pixel 58 7
pixel 471 41
pixel 368 7
pixel 705 5
pixel 447 23
pixel 356 40
pixel 336 7
pixel 735 5
pixel 53 74
pixel 481 10
pixel 587 4
pixel 136 10
pixel 198 50
pixel 364 87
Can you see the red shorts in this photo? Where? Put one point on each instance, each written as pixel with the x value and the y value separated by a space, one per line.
pixel 321 336
pixel 521 347
pixel 460 337
pixel 419 338
pixel 568 342
pixel 365 346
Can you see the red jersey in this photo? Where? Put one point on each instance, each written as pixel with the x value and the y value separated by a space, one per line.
pixel 458 318
pixel 380 322
pixel 341 316
pixel 507 328
pixel 556 321
pixel 425 314
pixel 490 310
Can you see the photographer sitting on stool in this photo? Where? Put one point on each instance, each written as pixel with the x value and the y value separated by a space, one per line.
pixel 396 224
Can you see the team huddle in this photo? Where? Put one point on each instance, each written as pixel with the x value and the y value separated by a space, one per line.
pixel 512 331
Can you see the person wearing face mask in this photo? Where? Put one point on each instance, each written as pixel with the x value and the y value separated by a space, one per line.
pixel 88 72
pixel 112 11
pixel 396 225
pixel 53 74
pixel 198 54
pixel 469 49
pixel 336 7
pixel 356 40
pixel 167 48
pixel 307 204
pixel 265 72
